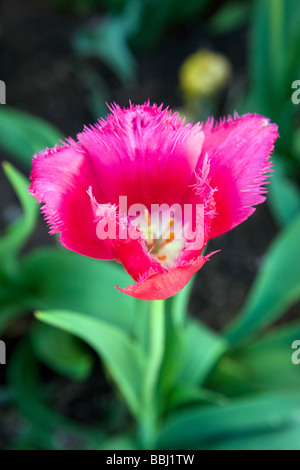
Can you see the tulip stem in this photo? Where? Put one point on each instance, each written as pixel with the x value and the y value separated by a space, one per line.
pixel 155 359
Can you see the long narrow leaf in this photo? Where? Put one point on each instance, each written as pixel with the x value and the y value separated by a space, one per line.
pixel 22 134
pixel 121 355
pixel 276 287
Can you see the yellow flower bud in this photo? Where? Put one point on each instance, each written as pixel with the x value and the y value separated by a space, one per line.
pixel 204 73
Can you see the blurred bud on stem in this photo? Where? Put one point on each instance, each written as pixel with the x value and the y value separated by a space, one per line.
pixel 204 74
pixel 201 76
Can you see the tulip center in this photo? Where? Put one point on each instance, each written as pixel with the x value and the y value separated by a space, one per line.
pixel 162 237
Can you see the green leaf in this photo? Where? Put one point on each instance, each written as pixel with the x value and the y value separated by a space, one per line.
pixel 180 302
pixel 23 135
pixel 49 429
pixel 197 350
pixel 230 16
pixel 296 144
pixel 60 279
pixel 287 438
pixel 107 40
pixel 98 92
pixel 276 287
pixel 292 35
pixel 203 348
pixel 269 360
pixel 186 395
pixel 284 197
pixel 121 355
pixel 18 233
pixel 231 378
pixel 121 442
pixel 273 66
pixel 204 425
pixel 10 312
pixel 61 351
pixel 268 66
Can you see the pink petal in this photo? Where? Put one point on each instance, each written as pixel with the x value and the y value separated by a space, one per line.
pixel 238 151
pixel 145 153
pixel 61 178
pixel 201 197
pixel 136 259
pixel 158 286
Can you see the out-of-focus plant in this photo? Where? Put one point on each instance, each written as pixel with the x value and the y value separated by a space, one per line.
pixel 136 24
pixel 273 66
pixel 274 58
pixel 125 26
pixel 201 76
pixel 107 39
pixel 21 133
pixel 231 15
pixel 97 91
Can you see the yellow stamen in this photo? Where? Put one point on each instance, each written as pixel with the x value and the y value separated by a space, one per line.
pixel 147 217
pixel 162 258
pixel 171 223
pixel 167 231
pixel 171 237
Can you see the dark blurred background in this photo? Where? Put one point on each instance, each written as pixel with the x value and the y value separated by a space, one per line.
pixel 61 60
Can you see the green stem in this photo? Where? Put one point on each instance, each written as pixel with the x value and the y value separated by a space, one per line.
pixel 156 355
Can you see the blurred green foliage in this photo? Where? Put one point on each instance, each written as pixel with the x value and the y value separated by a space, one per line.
pixel 273 66
pixel 230 16
pixel 137 24
pixel 22 135
pixel 231 390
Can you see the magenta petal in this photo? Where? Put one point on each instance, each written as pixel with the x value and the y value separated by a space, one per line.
pixel 136 259
pixel 61 178
pixel 159 286
pixel 149 156
pixel 238 151
pixel 145 153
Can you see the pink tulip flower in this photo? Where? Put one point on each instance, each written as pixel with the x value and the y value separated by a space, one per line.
pixel 151 160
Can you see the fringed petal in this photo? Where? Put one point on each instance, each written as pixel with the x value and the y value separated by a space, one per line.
pixel 145 153
pixel 161 285
pixel 238 150
pixel 61 178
